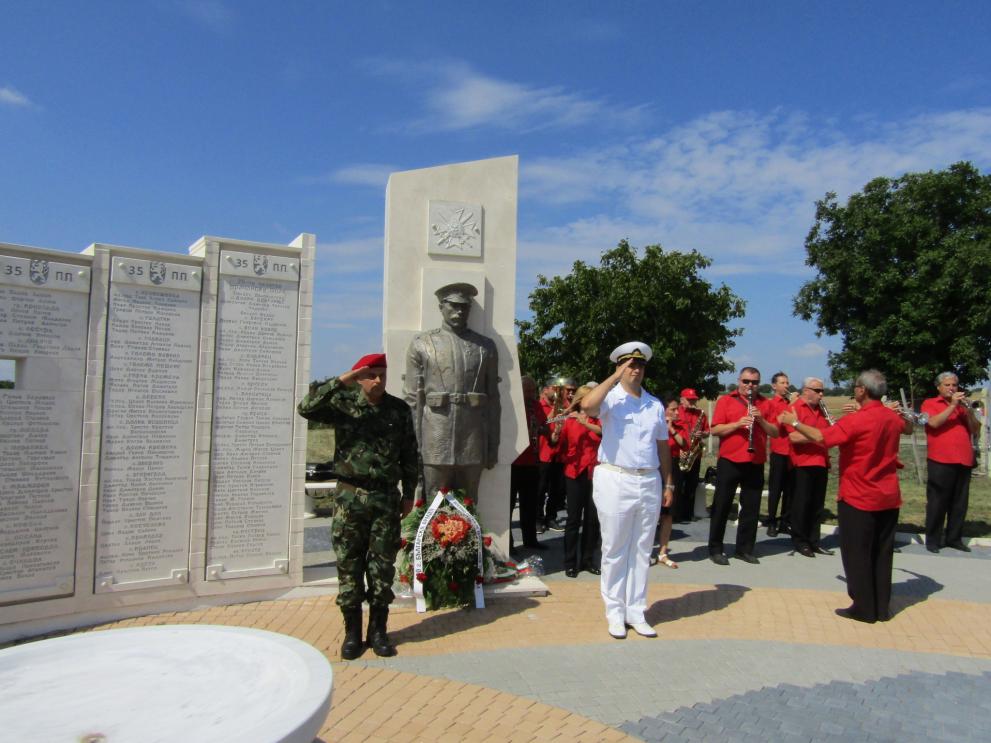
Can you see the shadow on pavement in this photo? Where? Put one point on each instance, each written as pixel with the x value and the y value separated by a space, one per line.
pixel 433 625
pixel 695 603
pixel 914 591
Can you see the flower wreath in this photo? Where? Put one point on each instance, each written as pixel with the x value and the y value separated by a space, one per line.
pixel 449 546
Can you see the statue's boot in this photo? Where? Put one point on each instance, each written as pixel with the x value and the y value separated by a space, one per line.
pixel 378 638
pixel 352 646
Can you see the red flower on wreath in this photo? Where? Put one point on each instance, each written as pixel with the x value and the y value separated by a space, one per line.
pixel 453 586
pixel 449 529
pixel 403 542
pixel 422 577
pixel 479 579
pixel 487 541
pixel 404 579
pixel 469 502
pixel 445 490
pixel 420 503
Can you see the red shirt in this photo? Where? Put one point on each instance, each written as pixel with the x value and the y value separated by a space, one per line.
pixel 733 446
pixel 546 451
pixel 809 454
pixel 868 441
pixel 579 448
pixel 677 427
pixel 950 443
pixel 775 405
pixel 535 417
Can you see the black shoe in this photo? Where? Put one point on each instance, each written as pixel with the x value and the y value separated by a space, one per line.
pixel 592 569
pixel 849 613
pixel 958 546
pixel 933 548
pixel 378 638
pixel 784 529
pixel 534 546
pixel 772 531
pixel 555 525
pixel 571 572
pixel 352 647
pixel 541 528
pixel 719 558
pixel 746 557
pixel 806 551
pixel 822 551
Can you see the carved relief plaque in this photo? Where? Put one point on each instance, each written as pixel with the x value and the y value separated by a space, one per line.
pixel 454 229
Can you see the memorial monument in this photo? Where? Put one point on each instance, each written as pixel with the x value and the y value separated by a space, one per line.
pixel 456 224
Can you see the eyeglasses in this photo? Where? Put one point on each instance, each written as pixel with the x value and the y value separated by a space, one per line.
pixel 749 381
pixel 820 390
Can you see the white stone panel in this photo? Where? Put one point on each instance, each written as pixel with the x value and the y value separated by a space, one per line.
pixel 43 311
pixel 149 412
pixel 253 417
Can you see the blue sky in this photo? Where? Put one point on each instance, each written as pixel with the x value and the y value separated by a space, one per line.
pixel 710 126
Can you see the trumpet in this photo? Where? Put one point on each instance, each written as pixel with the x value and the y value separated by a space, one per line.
pixel 825 412
pixel 919 419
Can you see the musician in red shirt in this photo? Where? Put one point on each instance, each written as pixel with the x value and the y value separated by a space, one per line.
pixel 741 424
pixel 523 477
pixel 869 496
pixel 810 463
pixel 949 460
pixel 780 477
pixel 554 399
pixel 678 438
pixel 580 438
pixel 690 416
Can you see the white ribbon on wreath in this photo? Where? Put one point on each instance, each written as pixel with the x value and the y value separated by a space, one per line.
pixel 421 603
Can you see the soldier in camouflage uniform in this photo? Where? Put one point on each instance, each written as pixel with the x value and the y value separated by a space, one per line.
pixel 375 448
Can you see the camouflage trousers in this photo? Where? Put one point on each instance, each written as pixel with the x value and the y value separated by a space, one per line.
pixel 366 540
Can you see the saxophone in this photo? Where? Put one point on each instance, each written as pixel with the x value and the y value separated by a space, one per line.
pixel 689 455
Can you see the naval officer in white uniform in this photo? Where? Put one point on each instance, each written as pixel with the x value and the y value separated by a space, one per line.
pixel 634 459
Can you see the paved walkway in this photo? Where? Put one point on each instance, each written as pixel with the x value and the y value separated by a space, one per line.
pixel 744 651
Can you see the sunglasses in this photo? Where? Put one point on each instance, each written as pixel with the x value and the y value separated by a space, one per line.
pixel 820 390
pixel 749 381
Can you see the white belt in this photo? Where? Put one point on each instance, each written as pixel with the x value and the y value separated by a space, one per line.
pixel 629 470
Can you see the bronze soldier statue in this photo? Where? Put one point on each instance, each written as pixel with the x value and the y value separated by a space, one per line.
pixel 452 384
pixel 375 449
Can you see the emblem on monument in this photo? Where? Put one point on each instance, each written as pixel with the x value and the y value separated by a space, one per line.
pixel 455 229
pixel 156 272
pixel 260 263
pixel 39 272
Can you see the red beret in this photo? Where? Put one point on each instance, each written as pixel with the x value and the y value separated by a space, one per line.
pixel 372 360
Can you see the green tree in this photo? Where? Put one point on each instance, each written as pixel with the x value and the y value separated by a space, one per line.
pixel 903 273
pixel 658 298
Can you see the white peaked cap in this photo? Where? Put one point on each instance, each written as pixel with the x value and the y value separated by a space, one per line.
pixel 633 349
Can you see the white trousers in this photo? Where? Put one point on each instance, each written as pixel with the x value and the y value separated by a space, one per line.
pixel 628 507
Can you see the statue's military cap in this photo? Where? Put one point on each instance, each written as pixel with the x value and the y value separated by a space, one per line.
pixel 458 292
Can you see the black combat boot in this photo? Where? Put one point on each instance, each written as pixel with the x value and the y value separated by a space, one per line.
pixel 352 646
pixel 378 640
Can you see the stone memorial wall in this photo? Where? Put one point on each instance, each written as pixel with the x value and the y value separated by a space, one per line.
pixel 149 450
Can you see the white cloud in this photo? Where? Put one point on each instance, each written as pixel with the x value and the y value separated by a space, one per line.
pixel 807 351
pixel 12 97
pixel 213 14
pixel 739 187
pixel 457 97
pixel 365 254
pixel 375 175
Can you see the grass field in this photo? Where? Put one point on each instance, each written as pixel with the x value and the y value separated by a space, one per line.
pixel 320 448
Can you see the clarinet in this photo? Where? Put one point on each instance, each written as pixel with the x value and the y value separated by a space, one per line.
pixel 750 433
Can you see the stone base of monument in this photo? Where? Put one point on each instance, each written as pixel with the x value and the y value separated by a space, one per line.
pixel 168 683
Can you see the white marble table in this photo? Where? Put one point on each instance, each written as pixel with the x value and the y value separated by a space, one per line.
pixel 168 683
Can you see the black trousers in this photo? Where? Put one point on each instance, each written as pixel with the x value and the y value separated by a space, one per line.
pixel 583 517
pixel 867 545
pixel 523 481
pixel 780 488
pixel 750 479
pixel 947 498
pixel 807 504
pixel 686 484
pixel 551 484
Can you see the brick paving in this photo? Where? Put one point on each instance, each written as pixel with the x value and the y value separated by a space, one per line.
pixel 744 651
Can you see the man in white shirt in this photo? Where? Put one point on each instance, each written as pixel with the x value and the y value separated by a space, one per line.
pixel 627 485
